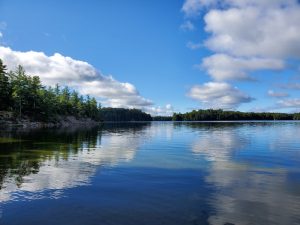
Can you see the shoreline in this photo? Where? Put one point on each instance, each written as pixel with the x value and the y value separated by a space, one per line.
pixel 67 121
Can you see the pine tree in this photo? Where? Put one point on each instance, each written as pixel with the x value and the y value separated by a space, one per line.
pixel 5 88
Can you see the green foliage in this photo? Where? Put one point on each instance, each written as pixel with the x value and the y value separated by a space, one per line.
pixel 177 117
pixel 120 114
pixel 296 116
pixel 219 115
pixel 5 88
pixel 162 118
pixel 27 97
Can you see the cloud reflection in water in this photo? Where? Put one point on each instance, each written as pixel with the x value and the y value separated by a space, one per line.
pixel 247 192
pixel 63 170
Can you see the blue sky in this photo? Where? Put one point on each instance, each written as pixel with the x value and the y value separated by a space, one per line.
pixel 145 46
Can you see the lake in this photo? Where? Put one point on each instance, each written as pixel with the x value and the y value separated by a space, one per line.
pixel 242 173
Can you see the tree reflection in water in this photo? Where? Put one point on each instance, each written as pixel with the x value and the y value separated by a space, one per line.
pixel 37 160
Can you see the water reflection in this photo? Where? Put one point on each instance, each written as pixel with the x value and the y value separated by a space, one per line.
pixel 157 173
pixel 60 159
pixel 217 144
pixel 248 192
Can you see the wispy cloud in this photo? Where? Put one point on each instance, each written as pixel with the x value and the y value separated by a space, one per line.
pixel 2 28
pixel 192 8
pixel 285 104
pixel 187 26
pixel 3 25
pixel 289 103
pixel 295 86
pixel 274 94
pixel 194 46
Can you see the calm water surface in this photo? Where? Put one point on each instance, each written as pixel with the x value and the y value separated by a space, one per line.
pixel 242 173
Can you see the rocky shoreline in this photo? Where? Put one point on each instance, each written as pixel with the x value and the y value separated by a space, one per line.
pixel 60 122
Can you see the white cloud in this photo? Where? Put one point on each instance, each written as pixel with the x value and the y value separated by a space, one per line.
pixel 274 94
pixel 224 67
pixel 193 7
pixel 289 103
pixel 219 95
pixel 256 3
pixel 285 104
pixel 187 26
pixel 249 27
pixel 166 110
pixel 255 31
pixel 77 74
pixel 247 36
pixel 2 27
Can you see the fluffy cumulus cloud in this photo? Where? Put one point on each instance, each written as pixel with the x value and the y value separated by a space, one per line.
pixel 247 36
pixel 254 30
pixel 219 95
pixel 77 74
pixel 251 28
pixel 225 67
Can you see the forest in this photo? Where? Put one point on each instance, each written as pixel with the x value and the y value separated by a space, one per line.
pixel 221 115
pixel 121 114
pixel 162 118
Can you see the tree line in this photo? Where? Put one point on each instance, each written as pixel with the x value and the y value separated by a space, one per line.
pixel 219 115
pixel 162 118
pixel 26 97
pixel 121 114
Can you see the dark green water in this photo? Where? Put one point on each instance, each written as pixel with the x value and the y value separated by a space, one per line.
pixel 242 173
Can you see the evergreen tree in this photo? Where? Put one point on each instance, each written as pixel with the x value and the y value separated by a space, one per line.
pixel 5 88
